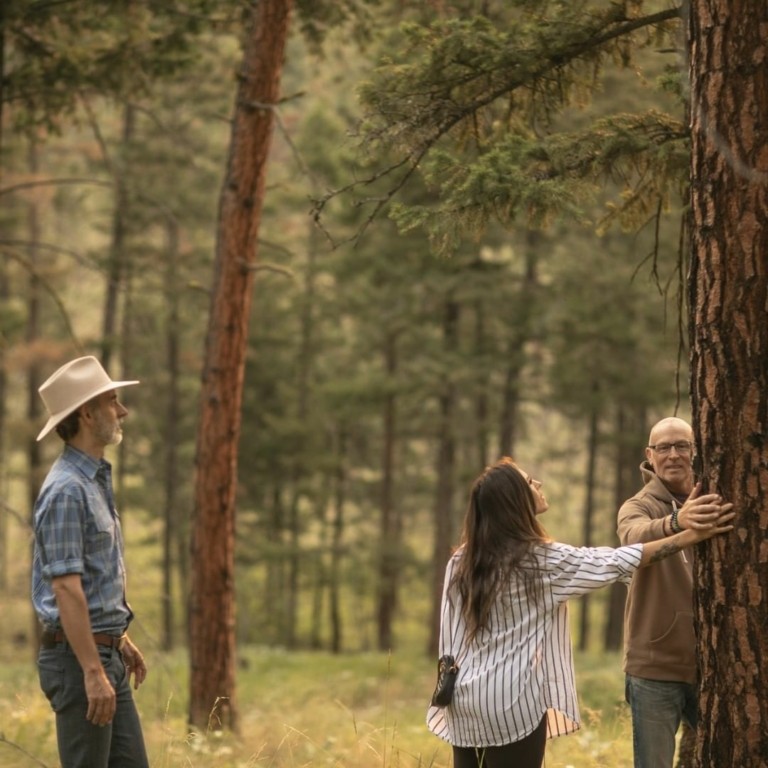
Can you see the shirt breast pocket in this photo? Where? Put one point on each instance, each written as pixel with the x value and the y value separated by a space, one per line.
pixel 101 526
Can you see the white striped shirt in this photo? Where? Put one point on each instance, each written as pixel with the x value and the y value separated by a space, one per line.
pixel 521 665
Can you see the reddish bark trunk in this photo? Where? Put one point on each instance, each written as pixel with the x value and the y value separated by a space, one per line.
pixel 212 605
pixel 729 374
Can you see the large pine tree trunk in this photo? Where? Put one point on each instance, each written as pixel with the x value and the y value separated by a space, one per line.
pixel 729 371
pixel 686 751
pixel 212 605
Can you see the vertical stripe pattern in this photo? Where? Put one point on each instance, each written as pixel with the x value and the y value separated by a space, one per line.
pixel 521 665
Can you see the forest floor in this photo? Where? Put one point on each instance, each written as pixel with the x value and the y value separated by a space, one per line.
pixel 309 709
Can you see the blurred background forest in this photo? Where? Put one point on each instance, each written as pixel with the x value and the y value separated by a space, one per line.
pixel 382 375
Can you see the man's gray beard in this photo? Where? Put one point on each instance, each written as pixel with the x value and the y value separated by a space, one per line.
pixel 117 437
pixel 109 435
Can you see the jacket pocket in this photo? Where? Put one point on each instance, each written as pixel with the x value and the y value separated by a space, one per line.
pixel 677 645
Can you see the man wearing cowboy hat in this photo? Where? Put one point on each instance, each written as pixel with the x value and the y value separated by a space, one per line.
pixel 78 577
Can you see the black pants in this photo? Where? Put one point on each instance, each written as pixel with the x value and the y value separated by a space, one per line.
pixel 526 753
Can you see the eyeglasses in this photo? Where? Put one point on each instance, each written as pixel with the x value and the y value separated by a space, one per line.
pixel 683 447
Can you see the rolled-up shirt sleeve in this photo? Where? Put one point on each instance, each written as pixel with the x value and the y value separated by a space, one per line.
pixel 574 571
pixel 60 536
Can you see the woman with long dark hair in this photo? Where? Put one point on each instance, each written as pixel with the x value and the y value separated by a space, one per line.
pixel 505 618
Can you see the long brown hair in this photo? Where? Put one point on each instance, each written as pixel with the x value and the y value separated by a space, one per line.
pixel 500 528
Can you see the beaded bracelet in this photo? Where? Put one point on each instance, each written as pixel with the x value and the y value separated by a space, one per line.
pixel 676 527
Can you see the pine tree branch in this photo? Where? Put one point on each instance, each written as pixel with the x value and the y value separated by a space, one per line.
pixel 415 110
pixel 52 182
pixel 468 92
pixel 32 270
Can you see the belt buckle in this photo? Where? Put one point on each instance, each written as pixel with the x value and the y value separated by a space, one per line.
pixel 120 644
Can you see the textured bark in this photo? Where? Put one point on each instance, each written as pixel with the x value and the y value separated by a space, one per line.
pixel 212 605
pixel 687 749
pixel 729 371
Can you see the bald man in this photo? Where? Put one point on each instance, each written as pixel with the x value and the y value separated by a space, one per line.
pixel 659 641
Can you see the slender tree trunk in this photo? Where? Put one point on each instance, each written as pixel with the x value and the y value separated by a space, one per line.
pixel 320 561
pixel 292 564
pixel 3 376
pixel 212 608
pixel 446 477
pixel 116 264
pixel 125 352
pixel 274 594
pixel 114 321
pixel 589 506
pixel 4 515
pixel 34 379
pixel 171 437
pixel 183 565
pixel 516 356
pixel 334 601
pixel 482 439
pixel 510 399
pixel 391 520
pixel 631 432
pixel 305 364
pixel 729 375
pixel 2 82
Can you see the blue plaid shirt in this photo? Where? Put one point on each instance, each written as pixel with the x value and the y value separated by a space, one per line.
pixel 77 530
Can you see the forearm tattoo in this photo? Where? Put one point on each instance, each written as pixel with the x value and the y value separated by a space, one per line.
pixel 665 550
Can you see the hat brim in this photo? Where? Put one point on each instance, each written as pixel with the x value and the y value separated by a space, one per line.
pixel 56 418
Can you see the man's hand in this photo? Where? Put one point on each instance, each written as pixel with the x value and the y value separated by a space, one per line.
pixel 76 623
pixel 701 513
pixel 102 700
pixel 134 663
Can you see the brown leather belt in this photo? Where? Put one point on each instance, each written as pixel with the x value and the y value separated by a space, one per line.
pixel 49 639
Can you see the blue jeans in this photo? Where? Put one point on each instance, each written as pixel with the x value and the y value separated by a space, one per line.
pixel 657 707
pixel 82 744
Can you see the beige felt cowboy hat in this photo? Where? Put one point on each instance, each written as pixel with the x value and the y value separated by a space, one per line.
pixel 72 385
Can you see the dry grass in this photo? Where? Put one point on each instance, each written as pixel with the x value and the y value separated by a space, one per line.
pixel 358 710
pixel 310 709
